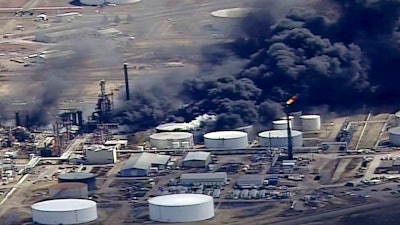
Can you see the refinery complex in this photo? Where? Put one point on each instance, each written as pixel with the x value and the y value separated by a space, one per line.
pixel 96 130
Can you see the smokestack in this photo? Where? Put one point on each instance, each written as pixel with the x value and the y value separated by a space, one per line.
pixel 74 118
pixel 27 121
pixel 289 133
pixel 126 82
pixel 17 119
pixel 80 119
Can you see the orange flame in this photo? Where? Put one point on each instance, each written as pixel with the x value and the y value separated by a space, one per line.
pixel 291 100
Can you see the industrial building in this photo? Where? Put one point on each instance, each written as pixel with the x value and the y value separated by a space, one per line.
pixel 250 181
pixel 100 154
pixel 64 211
pixel 108 33
pixel 102 2
pixel 226 140
pixel 139 165
pixel 279 138
pixel 69 190
pixel 58 36
pixel 181 208
pixel 196 160
pixel 211 179
pixel 394 136
pixel 87 178
pixel 172 140
pixel 310 123
pixel 66 17
pixel 397 118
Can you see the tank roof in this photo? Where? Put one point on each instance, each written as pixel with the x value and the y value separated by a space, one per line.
pixel 180 199
pixel 76 176
pixel 171 135
pixel 309 116
pixel 173 127
pixel 225 135
pixel 395 130
pixel 279 121
pixel 69 185
pixel 62 205
pixel 278 133
pixel 232 13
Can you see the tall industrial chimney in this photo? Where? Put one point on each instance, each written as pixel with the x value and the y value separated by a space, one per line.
pixel 27 122
pixel 17 119
pixel 80 119
pixel 126 82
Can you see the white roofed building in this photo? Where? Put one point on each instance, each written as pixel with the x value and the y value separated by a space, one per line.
pixel 100 154
pixel 140 164
pixel 197 160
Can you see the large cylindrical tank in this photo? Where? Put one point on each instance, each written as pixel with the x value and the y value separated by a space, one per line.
pixel 394 136
pixel 69 190
pixel 310 123
pixel 397 118
pixel 279 138
pixel 226 140
pixel 64 211
pixel 181 208
pixel 226 20
pixel 173 127
pixel 87 178
pixel 99 2
pixel 167 140
pixel 281 124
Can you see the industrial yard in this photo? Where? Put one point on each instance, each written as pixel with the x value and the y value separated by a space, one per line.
pixel 87 168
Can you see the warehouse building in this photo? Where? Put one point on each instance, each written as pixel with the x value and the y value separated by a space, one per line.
pixel 197 160
pixel 63 35
pixel 139 165
pixel 100 154
pixel 210 179
pixel 250 181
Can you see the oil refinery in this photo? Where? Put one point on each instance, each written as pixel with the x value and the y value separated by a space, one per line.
pixel 147 112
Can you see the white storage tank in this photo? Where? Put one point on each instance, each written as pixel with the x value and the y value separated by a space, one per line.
pixel 173 127
pixel 181 208
pixel 99 2
pixel 310 123
pixel 279 138
pixel 394 136
pixel 167 140
pixel 226 140
pixel 69 190
pixel 281 124
pixel 226 19
pixel 397 118
pixel 64 211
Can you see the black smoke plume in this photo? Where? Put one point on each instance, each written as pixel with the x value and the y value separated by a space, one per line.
pixel 337 53
pixel 58 77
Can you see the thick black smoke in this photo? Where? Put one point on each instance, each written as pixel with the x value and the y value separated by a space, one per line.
pixel 56 79
pixel 340 53
pixel 345 59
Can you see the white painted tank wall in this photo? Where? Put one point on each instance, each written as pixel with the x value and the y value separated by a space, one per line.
pixel 167 140
pixel 281 124
pixel 65 217
pixel 311 123
pixel 278 138
pixel 394 136
pixel 99 2
pixel 188 213
pixel 226 140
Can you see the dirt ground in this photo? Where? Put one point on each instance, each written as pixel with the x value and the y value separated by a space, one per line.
pixel 54 3
pixel 12 3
